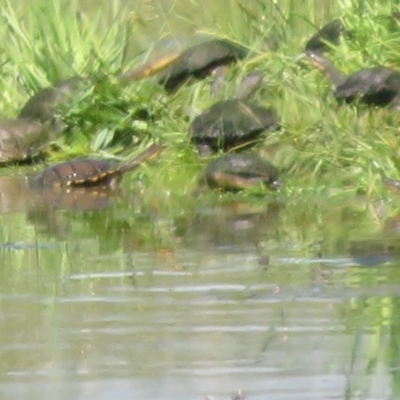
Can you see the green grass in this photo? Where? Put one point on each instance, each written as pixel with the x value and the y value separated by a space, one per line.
pixel 322 148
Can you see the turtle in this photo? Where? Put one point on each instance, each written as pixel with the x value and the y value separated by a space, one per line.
pixel 91 172
pixel 236 171
pixel 21 140
pixel 234 122
pixel 151 67
pixel 378 86
pixel 43 105
pixel 199 61
pixel 329 33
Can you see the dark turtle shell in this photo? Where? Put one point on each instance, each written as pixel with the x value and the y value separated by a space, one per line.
pixel 43 105
pixel 230 124
pixel 329 33
pixel 21 140
pixel 79 172
pixel 199 61
pixel 233 172
pixel 378 86
pixel 87 172
pixel 373 86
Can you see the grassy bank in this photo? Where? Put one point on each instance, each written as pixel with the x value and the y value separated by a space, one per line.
pixel 323 147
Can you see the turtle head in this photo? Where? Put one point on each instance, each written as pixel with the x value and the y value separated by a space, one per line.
pixel 250 84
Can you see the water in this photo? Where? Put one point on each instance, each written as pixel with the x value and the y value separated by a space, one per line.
pixel 276 301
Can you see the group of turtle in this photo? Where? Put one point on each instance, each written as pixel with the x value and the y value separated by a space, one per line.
pixel 375 86
pixel 229 126
pixel 378 86
pixel 226 126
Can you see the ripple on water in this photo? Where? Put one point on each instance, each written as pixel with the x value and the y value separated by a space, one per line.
pixel 210 320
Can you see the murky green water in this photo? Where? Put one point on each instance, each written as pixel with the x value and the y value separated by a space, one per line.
pixel 280 300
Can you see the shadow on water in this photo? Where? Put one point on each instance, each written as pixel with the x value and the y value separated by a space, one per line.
pixel 113 297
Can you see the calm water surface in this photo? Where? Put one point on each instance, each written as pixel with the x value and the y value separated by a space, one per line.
pixel 280 301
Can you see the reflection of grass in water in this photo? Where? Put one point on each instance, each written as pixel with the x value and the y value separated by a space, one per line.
pixel 23 255
pixel 373 319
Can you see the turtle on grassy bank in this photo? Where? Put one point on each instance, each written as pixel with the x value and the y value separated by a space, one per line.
pixel 237 171
pixel 89 172
pixel 199 61
pixel 330 33
pixel 44 104
pixel 22 140
pixel 235 122
pixel 378 86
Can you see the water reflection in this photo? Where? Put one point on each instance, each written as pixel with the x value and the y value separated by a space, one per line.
pixel 383 246
pixel 229 225
pixel 14 194
pixel 131 302
pixel 17 195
